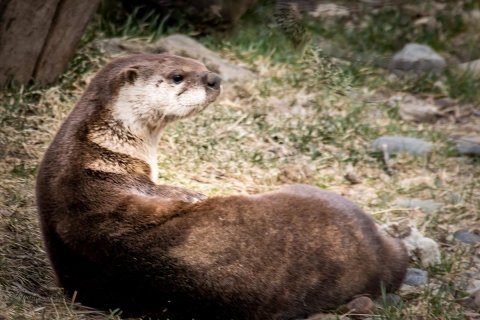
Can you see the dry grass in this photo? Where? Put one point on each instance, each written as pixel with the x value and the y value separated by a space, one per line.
pixel 305 122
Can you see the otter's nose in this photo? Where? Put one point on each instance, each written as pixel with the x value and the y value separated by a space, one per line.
pixel 212 80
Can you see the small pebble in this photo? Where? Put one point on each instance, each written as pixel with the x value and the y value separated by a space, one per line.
pixel 466 236
pixel 361 305
pixel 5 213
pixel 416 277
pixel 352 178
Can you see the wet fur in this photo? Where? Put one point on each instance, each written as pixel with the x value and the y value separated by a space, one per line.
pixel 119 240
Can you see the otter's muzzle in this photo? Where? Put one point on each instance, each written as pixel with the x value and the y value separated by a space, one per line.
pixel 212 80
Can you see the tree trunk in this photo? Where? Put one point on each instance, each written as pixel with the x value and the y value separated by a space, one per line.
pixel 39 37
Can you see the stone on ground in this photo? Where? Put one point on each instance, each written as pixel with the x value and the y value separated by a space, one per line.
pixel 180 45
pixel 467 236
pixel 417 58
pixel 411 108
pixel 400 144
pixel 468 146
pixel 425 250
pixel 185 46
pixel 416 277
pixel 361 305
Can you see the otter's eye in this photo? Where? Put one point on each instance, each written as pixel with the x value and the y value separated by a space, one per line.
pixel 177 78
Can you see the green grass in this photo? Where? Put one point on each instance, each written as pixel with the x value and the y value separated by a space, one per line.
pixel 251 40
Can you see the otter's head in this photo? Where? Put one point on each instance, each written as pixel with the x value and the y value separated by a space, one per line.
pixel 154 89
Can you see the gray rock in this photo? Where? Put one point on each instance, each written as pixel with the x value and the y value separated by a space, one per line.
pixel 468 146
pixel 428 206
pixel 176 44
pixel 445 102
pixel 466 236
pixel 416 277
pixel 411 108
pixel 185 46
pixel 417 58
pixel 399 144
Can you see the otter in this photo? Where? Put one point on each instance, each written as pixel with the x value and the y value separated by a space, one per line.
pixel 118 240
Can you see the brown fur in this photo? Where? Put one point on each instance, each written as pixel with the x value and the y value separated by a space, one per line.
pixel 121 241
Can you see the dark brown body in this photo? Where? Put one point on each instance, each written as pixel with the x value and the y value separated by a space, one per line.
pixel 121 241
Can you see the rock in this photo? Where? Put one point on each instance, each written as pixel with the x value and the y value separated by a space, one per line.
pixel 411 108
pixel 327 10
pixel 473 285
pixel 445 102
pixel 409 292
pixel 186 46
pixel 468 146
pixel 361 306
pixel 428 206
pixel 424 249
pixel 466 236
pixel 399 144
pixel 180 45
pixel 417 58
pixel 352 178
pixel 416 277
pixel 5 213
pixel 389 299
pixel 472 67
pixel 473 302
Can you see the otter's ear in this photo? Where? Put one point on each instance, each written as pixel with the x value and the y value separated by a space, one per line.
pixel 130 75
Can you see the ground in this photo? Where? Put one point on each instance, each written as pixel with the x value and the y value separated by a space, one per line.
pixel 307 117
